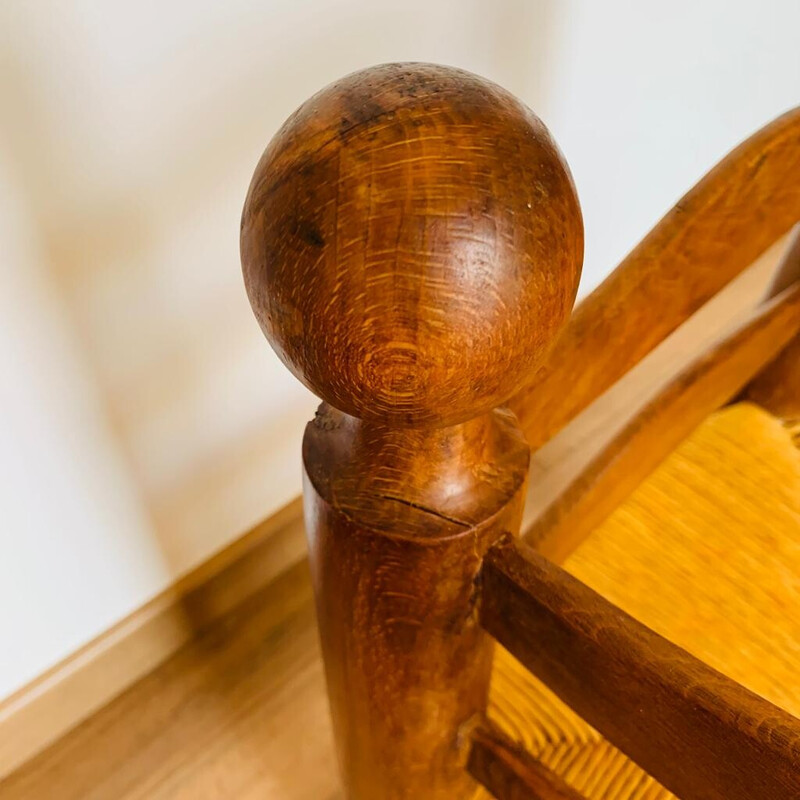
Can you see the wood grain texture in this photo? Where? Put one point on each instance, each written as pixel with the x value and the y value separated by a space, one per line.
pixel 704 385
pixel 509 772
pixel 700 734
pixel 533 717
pixel 45 709
pixel 732 215
pixel 411 244
pixel 398 523
pixel 731 488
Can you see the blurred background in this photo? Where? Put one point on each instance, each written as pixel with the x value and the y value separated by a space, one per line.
pixel 144 421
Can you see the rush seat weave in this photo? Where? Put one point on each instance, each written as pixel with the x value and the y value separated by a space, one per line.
pixel 707 553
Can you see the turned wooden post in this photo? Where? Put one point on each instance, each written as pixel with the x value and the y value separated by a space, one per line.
pixel 411 245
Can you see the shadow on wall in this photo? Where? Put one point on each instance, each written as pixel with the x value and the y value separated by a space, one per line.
pixel 134 133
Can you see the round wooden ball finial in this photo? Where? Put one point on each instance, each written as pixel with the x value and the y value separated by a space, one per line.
pixel 412 244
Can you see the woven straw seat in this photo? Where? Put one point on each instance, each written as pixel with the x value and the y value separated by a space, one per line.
pixel 707 553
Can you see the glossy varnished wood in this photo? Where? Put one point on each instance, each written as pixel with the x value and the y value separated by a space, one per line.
pixel 411 246
pixel 700 734
pixel 732 215
pixel 399 522
pixel 706 383
pixel 411 243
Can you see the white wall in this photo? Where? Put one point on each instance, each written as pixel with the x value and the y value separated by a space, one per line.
pixel 650 95
pixel 144 422
pixel 76 552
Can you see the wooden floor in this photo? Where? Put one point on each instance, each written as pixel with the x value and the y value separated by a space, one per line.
pixel 239 713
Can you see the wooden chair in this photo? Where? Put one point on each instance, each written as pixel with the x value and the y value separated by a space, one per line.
pixel 412 244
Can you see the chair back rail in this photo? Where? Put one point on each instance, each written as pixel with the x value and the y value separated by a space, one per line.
pixel 704 385
pixel 411 247
pixel 509 772
pixel 750 199
pixel 557 464
pixel 702 735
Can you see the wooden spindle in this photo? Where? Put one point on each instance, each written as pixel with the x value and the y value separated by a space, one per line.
pixel 509 772
pixel 411 245
pixel 777 387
